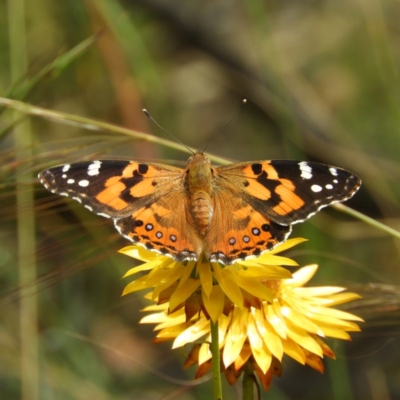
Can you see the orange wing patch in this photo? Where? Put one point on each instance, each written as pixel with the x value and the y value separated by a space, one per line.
pixel 163 230
pixel 289 200
pixel 257 234
pixel 241 231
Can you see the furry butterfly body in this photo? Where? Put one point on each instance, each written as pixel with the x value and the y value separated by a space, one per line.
pixel 227 213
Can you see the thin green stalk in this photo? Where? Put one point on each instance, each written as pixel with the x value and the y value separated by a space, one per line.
pixel 25 214
pixel 248 383
pixel 368 220
pixel 216 362
pixel 95 125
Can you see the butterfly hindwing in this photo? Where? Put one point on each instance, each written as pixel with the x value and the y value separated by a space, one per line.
pixel 163 226
pixel 241 231
pixel 141 198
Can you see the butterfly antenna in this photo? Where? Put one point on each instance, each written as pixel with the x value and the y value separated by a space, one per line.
pixel 170 134
pixel 244 101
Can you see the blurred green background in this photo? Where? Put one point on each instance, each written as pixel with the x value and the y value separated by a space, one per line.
pixel 322 83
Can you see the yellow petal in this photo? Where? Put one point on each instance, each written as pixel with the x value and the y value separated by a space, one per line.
pixel 276 321
pixel 186 272
pixel 154 318
pixel 300 320
pixel 270 260
pixel 140 253
pixel 302 338
pixel 171 332
pixel 286 245
pixel 268 334
pixel 205 352
pixel 325 348
pixel 266 272
pixel 183 292
pixel 315 362
pixel 322 320
pixel 223 325
pixel 335 333
pixel 333 313
pixel 206 278
pixel 147 266
pixel 260 351
pixel 236 336
pixel 254 287
pixel 302 276
pixel 244 355
pixel 154 307
pixel 317 291
pixel 170 277
pixel 227 281
pixel 192 333
pixel 138 284
pixel 170 326
pixel 155 276
pixel 214 303
pixel 293 350
pixel 343 298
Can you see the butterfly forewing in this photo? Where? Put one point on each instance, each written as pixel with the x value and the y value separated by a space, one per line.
pixel 111 188
pixel 289 192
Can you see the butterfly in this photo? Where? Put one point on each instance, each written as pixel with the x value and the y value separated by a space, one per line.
pixel 227 213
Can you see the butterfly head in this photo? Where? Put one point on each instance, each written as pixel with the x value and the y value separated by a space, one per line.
pixel 199 170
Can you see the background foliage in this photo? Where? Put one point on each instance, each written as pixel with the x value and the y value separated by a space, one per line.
pixel 322 83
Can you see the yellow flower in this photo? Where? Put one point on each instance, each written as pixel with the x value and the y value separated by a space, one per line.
pixel 212 288
pixel 293 322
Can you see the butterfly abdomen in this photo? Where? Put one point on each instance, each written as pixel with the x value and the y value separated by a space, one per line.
pixel 200 184
pixel 201 210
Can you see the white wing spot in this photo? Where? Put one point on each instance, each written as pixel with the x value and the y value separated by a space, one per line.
pixel 66 168
pixel 93 169
pixel 77 199
pixel 333 171
pixel 83 183
pixel 316 188
pixel 63 194
pixel 88 207
pixel 335 181
pixel 71 181
pixel 63 176
pixel 329 186
pixel 105 216
pixel 306 170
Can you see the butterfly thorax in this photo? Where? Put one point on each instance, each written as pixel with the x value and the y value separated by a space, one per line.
pixel 199 177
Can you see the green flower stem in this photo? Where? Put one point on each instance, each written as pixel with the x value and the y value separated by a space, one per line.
pixel 248 383
pixel 216 369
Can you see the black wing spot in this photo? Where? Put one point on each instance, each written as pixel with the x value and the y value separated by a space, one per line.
pixel 266 227
pixel 143 168
pixel 257 168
